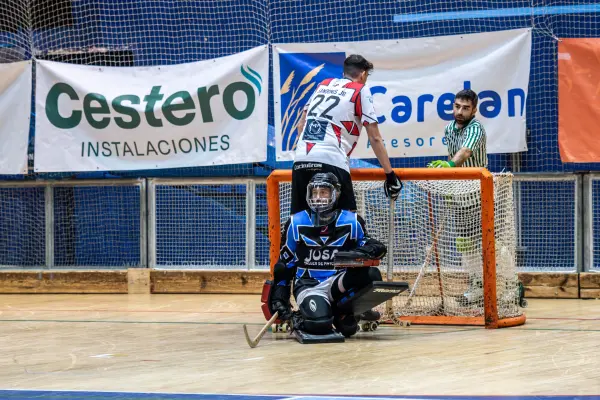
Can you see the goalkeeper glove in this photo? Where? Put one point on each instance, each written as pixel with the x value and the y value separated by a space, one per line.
pixel 441 164
pixel 392 185
pixel 280 302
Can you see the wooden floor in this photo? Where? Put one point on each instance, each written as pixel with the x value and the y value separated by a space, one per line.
pixel 195 344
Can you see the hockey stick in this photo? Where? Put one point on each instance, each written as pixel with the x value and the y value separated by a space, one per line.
pixel 293 298
pixel 389 305
pixel 437 256
pixel 254 343
pixel 355 260
pixel 425 263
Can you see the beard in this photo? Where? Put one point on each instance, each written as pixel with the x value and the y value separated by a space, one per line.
pixel 461 120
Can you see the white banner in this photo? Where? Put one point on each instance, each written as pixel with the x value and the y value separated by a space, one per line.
pixel 15 111
pixel 413 86
pixel 210 112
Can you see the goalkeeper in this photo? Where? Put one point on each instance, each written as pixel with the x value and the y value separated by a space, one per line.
pixel 466 140
pixel 310 241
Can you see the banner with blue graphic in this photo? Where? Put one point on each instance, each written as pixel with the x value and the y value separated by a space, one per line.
pixel 413 86
pixel 211 112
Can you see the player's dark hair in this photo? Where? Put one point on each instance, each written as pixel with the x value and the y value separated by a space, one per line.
pixel 355 64
pixel 467 94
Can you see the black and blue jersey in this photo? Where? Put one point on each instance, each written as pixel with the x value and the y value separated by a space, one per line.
pixel 311 249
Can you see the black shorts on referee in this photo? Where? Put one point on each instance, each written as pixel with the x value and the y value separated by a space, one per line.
pixel 303 171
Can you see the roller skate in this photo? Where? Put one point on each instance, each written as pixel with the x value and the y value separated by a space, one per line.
pixel 283 327
pixel 369 320
pixel 473 295
pixel 521 295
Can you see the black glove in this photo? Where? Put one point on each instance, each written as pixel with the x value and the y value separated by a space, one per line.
pixel 392 185
pixel 372 249
pixel 280 302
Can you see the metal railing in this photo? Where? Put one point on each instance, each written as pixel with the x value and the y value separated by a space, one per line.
pixel 591 214
pixel 83 224
pixel 195 223
pixel 222 223
pixel 548 222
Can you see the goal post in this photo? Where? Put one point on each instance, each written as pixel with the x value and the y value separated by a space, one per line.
pixel 430 247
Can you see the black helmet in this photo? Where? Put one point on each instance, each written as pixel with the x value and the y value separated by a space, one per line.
pixel 323 206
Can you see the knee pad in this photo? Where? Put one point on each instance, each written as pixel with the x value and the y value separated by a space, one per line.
pixel 317 315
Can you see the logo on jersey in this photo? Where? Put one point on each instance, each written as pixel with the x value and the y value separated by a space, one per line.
pixel 317 256
pixel 286 255
pixel 300 74
pixel 312 305
pixel 315 130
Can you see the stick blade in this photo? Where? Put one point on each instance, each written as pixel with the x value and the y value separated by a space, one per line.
pixel 251 343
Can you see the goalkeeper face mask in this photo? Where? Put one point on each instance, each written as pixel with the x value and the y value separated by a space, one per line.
pixel 322 198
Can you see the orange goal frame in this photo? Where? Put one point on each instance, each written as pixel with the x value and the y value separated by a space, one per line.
pixel 490 319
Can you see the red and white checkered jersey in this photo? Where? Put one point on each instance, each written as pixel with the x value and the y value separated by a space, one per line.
pixel 336 113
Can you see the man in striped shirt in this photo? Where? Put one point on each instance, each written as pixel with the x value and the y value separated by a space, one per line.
pixel 465 135
pixel 466 140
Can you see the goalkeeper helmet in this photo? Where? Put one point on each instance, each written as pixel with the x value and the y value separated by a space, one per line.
pixel 322 195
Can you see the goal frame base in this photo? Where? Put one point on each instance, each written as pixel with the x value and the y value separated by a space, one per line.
pixel 462 321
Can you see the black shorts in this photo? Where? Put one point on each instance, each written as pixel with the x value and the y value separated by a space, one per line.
pixel 303 171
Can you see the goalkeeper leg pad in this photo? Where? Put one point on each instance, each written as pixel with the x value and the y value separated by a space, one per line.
pixel 374 294
pixel 315 315
pixel 265 299
pixel 307 338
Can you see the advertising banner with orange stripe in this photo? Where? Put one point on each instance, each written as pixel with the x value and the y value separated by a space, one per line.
pixel 579 99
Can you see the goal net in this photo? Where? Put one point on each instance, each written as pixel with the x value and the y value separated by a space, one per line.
pixel 445 234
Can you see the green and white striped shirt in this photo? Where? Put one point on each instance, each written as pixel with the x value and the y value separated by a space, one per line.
pixel 472 137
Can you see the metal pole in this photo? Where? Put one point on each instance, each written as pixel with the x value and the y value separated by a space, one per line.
pixel 579 200
pixel 49 226
pixel 588 224
pixel 390 244
pixel 151 205
pixel 143 222
pixel 250 224
pixel 389 305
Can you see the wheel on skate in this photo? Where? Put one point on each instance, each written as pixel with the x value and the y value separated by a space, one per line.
pixel 277 328
pixel 523 303
pixel 521 294
pixel 369 326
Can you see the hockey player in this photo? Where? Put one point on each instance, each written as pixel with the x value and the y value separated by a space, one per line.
pixel 329 129
pixel 311 239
